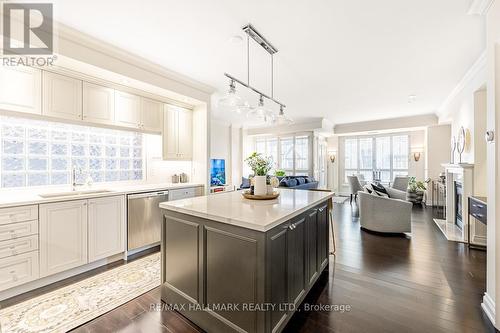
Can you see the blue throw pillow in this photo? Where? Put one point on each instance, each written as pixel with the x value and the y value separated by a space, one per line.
pixel 245 182
pixel 300 180
pixel 292 182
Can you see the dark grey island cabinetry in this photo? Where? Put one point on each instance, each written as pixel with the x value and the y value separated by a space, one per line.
pixel 234 265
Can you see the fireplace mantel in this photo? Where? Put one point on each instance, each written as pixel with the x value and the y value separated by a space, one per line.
pixel 457 166
pixel 462 173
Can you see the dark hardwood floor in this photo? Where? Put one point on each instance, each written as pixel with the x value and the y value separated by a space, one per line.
pixel 391 284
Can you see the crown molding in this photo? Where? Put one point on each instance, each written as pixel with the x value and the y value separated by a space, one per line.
pixel 479 7
pixel 83 39
pixel 478 65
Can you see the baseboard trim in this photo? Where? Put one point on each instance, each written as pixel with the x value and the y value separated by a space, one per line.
pixel 488 306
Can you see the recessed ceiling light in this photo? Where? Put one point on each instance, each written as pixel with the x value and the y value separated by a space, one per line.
pixel 412 99
pixel 236 40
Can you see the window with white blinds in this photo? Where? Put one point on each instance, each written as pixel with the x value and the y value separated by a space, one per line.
pixel 291 153
pixel 385 156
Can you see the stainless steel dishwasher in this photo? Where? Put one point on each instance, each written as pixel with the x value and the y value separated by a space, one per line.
pixel 144 218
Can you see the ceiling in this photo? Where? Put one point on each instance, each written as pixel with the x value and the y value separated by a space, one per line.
pixel 346 60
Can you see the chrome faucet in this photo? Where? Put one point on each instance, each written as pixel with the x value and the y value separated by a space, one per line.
pixel 73 177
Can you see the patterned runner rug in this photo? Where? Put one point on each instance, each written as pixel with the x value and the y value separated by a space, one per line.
pixel 66 308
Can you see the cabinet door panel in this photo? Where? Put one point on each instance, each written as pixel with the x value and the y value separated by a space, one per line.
pixel 21 89
pixel 297 261
pixel 185 134
pixel 230 280
pixel 278 245
pixel 63 236
pixel 152 115
pixel 98 104
pixel 312 251
pixel 127 109
pixel 170 128
pixel 106 227
pixel 62 96
pixel 323 236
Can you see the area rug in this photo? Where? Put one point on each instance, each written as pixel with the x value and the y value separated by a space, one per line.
pixel 66 308
pixel 339 199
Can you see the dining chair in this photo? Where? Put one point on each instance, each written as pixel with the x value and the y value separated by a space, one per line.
pixel 355 187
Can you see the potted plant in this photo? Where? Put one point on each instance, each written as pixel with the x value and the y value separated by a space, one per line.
pixel 415 192
pixel 260 166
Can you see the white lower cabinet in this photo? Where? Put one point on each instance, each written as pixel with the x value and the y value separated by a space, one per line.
pixel 106 227
pixel 63 236
pixel 18 269
pixel 74 233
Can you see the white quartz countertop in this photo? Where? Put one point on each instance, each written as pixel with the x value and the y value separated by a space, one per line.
pixel 10 198
pixel 260 215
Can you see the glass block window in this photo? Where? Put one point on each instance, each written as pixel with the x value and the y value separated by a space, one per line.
pixel 36 153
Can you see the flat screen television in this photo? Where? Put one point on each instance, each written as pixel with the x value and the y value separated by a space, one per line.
pixel 217 172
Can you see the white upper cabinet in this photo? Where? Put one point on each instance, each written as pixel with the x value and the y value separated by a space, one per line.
pixel 98 104
pixel 177 134
pixel 106 227
pixel 62 96
pixel 185 134
pixel 21 89
pixel 127 109
pixel 151 115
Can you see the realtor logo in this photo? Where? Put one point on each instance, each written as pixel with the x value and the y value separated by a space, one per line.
pixel 28 29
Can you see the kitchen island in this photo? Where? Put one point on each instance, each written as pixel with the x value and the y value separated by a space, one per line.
pixel 231 264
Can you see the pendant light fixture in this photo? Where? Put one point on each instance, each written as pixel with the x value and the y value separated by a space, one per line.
pixel 236 103
pixel 261 111
pixel 231 99
pixel 281 118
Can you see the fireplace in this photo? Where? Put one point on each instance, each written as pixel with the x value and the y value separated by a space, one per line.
pixel 458 204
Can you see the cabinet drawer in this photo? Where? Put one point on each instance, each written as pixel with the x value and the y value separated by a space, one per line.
pixel 181 193
pixel 16 230
pixel 478 210
pixel 17 246
pixel 18 214
pixel 18 269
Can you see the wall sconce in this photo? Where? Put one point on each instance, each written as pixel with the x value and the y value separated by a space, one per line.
pixel 417 153
pixel 332 154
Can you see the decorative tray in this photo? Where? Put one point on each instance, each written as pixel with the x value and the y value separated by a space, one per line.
pixel 247 195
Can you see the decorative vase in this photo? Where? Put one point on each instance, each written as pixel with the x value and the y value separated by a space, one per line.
pixel 415 197
pixel 270 189
pixel 260 185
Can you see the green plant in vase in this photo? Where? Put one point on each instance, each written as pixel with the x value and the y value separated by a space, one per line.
pixel 416 189
pixel 260 165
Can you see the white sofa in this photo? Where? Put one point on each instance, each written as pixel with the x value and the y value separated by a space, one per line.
pixel 381 214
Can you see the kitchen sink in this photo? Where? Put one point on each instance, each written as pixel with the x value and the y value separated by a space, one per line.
pixel 72 193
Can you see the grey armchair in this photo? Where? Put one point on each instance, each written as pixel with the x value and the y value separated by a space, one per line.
pixel 400 183
pixel 383 214
pixel 355 186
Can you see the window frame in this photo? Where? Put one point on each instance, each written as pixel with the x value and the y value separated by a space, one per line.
pixel 392 171
pixel 294 170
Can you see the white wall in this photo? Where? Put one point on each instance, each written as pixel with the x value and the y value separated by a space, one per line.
pixel 226 143
pixel 157 170
pixel 459 107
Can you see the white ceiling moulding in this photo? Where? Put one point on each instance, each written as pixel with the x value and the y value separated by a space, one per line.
pixel 468 77
pixel 412 122
pixel 479 7
pixel 80 46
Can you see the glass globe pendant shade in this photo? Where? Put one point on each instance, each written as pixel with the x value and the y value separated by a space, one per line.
pixel 261 112
pixel 232 100
pixel 282 118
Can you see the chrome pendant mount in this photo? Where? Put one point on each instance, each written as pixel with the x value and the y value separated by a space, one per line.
pixel 237 104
